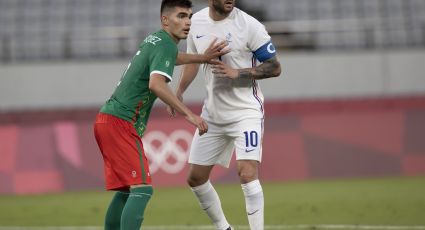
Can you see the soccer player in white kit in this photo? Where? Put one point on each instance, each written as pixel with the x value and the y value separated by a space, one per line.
pixel 233 107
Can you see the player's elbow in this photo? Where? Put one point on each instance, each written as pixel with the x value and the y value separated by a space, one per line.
pixel 272 67
pixel 276 70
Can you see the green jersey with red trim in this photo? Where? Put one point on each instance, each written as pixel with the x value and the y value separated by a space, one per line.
pixel 132 100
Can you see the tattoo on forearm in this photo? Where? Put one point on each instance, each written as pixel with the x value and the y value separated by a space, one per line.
pixel 245 73
pixel 269 68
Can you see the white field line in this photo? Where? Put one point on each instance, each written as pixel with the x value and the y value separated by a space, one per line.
pixel 241 227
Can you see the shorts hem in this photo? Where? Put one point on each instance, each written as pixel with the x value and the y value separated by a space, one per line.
pixel 249 158
pixel 118 187
pixel 209 164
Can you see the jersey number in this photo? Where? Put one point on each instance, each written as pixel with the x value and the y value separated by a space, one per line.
pixel 251 139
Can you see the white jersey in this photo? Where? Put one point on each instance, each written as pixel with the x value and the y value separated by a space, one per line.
pixel 230 100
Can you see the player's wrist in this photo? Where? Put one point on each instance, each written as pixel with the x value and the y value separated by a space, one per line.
pixel 241 74
pixel 205 58
pixel 190 117
pixel 244 74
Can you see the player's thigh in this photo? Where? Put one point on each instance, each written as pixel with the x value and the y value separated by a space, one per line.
pixel 209 148
pixel 248 139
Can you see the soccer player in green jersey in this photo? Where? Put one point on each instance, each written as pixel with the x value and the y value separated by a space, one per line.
pixel 122 120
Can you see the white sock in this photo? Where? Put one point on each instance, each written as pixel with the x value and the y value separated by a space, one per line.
pixel 210 203
pixel 254 201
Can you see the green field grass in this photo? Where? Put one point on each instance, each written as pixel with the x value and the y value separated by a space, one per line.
pixel 385 201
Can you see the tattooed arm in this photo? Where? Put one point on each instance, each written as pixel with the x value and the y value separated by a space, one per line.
pixel 269 68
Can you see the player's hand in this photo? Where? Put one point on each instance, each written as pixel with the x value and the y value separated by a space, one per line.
pixel 199 123
pixel 171 111
pixel 220 69
pixel 215 50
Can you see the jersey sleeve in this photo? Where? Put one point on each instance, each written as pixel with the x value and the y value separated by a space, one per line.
pixel 163 60
pixel 260 41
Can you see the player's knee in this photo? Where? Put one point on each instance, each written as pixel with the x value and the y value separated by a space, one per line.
pixel 196 180
pixel 246 176
pixel 247 171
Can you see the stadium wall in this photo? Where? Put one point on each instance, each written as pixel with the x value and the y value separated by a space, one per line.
pixel 55 151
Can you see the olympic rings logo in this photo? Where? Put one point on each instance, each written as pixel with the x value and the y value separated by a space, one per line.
pixel 169 153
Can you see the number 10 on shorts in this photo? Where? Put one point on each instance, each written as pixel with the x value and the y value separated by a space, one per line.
pixel 251 139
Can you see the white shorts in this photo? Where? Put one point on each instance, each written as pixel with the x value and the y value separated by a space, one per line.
pixel 217 145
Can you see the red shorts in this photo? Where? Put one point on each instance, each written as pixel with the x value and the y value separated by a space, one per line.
pixel 125 162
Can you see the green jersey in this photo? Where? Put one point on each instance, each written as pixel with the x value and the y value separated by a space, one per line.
pixel 132 100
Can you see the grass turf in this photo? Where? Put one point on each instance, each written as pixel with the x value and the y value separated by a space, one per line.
pixel 384 201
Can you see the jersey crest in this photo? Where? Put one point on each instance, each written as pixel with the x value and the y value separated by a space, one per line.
pixel 229 37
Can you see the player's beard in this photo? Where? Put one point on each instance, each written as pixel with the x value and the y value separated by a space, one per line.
pixel 219 7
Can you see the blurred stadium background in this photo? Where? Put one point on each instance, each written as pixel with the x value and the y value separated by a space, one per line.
pixel 350 102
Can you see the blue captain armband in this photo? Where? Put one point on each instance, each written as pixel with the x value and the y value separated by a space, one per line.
pixel 265 52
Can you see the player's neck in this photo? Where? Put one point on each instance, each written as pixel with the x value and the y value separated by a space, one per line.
pixel 174 38
pixel 216 16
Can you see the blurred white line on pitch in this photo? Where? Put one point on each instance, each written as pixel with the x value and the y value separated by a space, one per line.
pixel 240 227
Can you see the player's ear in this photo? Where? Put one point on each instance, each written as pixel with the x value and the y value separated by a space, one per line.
pixel 164 20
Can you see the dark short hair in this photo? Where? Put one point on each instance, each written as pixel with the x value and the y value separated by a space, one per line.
pixel 167 4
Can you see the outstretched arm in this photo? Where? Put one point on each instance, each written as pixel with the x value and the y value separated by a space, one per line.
pixel 159 86
pixel 213 51
pixel 269 68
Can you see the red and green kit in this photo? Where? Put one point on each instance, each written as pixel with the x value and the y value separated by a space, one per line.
pixel 122 120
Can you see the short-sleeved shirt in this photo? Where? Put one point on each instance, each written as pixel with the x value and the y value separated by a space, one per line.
pixel 228 100
pixel 132 99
